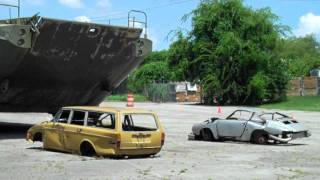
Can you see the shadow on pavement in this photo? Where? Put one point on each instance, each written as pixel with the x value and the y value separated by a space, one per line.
pixel 13 130
pixel 248 143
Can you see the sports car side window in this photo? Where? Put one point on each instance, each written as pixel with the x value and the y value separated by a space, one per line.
pixel 241 115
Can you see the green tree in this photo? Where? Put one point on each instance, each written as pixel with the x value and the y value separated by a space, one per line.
pixel 156 56
pixel 154 70
pixel 231 52
pixel 301 54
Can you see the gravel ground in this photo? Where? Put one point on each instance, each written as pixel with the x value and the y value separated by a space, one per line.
pixel 179 159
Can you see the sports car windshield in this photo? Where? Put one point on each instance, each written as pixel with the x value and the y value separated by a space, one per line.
pixel 241 115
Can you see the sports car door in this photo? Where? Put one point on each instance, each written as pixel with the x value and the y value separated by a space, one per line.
pixel 231 128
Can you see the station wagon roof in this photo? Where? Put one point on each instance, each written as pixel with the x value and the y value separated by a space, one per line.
pixel 108 109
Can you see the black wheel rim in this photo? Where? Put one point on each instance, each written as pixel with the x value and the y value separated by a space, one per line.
pixel 261 140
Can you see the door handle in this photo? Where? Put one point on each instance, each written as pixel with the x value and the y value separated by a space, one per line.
pixel 79 130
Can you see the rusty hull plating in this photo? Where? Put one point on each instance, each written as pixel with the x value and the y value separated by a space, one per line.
pixel 46 63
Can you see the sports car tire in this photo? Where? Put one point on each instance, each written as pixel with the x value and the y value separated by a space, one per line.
pixel 206 135
pixel 260 138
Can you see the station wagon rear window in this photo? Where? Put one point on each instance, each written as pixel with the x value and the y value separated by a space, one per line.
pixel 139 122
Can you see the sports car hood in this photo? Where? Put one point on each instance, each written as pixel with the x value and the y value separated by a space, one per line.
pixel 196 127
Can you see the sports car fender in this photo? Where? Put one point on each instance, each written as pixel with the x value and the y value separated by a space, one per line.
pixel 250 128
pixel 213 128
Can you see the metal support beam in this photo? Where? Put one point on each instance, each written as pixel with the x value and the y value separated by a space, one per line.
pixel 141 22
pixel 14 6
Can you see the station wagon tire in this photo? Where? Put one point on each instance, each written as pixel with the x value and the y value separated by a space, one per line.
pixel 206 135
pixel 146 156
pixel 37 137
pixel 86 149
pixel 260 138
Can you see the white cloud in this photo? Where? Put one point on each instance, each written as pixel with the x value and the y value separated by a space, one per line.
pixel 308 24
pixel 104 3
pixel 82 19
pixel 72 3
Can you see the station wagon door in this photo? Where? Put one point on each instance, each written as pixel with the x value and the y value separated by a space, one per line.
pixel 101 130
pixel 140 131
pixel 73 130
pixel 53 135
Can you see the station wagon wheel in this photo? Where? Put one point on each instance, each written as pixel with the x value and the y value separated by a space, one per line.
pixel 206 135
pixel 86 149
pixel 260 138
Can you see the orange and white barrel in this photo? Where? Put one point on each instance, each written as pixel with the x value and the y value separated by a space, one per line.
pixel 130 100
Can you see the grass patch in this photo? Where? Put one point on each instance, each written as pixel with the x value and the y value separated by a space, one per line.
pixel 123 98
pixel 303 103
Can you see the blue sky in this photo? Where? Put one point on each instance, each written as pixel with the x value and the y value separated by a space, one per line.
pixel 303 16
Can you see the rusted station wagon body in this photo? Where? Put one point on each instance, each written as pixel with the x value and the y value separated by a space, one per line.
pixel 101 131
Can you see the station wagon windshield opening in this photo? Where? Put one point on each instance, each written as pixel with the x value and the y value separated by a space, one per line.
pixel 62 116
pixel 139 122
pixel 101 120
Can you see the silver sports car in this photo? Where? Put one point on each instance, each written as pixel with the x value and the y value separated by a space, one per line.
pixel 256 127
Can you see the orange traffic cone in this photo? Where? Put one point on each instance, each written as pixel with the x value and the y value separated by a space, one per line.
pixel 130 100
pixel 219 110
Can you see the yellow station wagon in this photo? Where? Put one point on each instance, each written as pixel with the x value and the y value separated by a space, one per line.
pixel 101 131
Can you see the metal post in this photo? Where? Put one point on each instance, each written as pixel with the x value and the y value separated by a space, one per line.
pixel 18 9
pixel 145 22
pixel 318 85
pixel 14 6
pixel 10 14
pixel 133 21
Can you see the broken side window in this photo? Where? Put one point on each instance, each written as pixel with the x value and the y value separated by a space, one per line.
pixel 78 118
pixel 241 115
pixel 101 120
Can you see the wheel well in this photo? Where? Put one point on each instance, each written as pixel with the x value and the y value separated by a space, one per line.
pixel 255 132
pixel 37 137
pixel 87 149
pixel 205 129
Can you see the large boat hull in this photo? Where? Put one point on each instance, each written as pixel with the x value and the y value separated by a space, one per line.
pixel 65 63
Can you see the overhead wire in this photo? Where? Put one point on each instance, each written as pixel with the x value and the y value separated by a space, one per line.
pixel 124 13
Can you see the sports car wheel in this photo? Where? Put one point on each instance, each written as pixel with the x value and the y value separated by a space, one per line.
pixel 206 135
pixel 260 138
